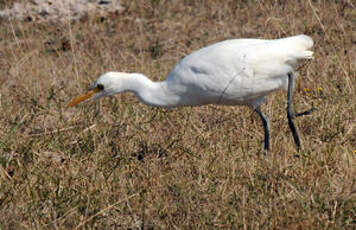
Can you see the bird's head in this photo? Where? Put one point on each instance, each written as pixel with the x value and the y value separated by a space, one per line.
pixel 106 85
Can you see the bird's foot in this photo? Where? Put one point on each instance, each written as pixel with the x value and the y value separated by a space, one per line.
pixel 265 152
pixel 307 112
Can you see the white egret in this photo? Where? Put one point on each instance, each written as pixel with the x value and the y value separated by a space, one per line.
pixel 231 72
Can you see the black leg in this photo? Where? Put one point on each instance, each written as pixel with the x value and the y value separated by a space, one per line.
pixel 265 123
pixel 290 113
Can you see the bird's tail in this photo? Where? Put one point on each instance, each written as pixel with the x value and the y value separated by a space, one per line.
pixel 299 47
pixel 296 48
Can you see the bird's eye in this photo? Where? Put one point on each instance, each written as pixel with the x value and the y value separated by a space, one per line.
pixel 100 87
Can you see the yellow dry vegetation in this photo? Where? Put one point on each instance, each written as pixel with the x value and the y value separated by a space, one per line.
pixel 118 164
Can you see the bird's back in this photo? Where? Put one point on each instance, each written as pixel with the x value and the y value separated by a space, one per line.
pixel 238 71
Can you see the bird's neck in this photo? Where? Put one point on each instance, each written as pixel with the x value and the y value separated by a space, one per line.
pixel 149 92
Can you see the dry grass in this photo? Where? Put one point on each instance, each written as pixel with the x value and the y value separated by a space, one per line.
pixel 118 164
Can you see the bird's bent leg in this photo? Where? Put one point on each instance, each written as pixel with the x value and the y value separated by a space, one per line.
pixel 290 113
pixel 265 123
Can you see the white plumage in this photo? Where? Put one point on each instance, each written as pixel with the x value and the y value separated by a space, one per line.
pixel 231 72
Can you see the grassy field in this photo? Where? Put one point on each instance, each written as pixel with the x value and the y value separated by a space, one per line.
pixel 118 164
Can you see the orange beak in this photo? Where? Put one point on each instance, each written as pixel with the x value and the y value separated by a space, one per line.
pixel 84 97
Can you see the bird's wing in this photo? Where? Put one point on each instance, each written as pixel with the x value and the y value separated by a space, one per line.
pixel 205 75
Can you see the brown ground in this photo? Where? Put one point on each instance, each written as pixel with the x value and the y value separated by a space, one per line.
pixel 117 163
